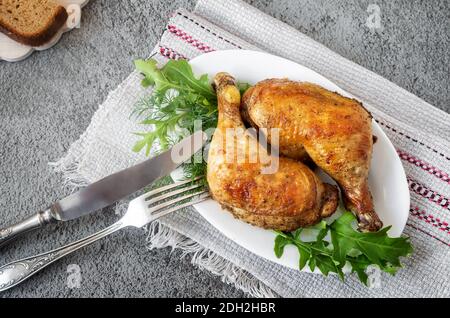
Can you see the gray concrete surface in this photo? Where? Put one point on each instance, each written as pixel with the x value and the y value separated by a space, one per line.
pixel 47 101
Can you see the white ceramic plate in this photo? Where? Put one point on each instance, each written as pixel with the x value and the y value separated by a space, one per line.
pixel 387 178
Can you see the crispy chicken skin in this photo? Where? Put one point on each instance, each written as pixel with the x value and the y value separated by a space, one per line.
pixel 335 131
pixel 289 198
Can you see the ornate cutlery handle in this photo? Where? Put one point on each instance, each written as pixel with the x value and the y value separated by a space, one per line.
pixel 30 223
pixel 16 272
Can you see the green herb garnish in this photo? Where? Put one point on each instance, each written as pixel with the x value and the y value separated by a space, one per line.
pixel 179 99
pixel 347 246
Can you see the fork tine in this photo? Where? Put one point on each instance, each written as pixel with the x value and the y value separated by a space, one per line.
pixel 172 193
pixel 159 213
pixel 170 186
pixel 168 203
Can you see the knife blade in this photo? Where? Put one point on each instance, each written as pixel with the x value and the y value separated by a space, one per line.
pixel 110 189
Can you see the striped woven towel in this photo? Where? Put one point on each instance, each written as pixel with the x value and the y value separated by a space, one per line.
pixel 418 130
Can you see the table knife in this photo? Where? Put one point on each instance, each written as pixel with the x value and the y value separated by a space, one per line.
pixel 110 189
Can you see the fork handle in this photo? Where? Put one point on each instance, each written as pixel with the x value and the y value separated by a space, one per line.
pixel 30 223
pixel 16 272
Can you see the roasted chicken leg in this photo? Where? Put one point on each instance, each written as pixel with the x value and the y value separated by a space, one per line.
pixel 285 199
pixel 335 131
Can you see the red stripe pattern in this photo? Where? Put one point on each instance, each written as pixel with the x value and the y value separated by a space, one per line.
pixel 170 53
pixel 189 39
pixel 424 166
pixel 436 222
pixel 429 194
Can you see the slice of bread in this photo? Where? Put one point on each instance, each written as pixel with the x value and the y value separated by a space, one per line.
pixel 31 22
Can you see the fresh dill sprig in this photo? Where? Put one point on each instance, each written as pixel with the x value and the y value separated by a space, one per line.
pixel 179 101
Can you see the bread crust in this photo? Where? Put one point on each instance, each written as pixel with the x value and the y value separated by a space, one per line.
pixel 39 37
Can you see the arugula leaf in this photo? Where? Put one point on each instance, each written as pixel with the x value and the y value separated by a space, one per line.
pixel 304 252
pixel 177 101
pixel 360 250
pixel 315 254
pixel 305 255
pixel 359 266
pixel 176 74
pixel 153 76
pixel 379 248
pixel 280 243
pixel 181 72
pixel 326 264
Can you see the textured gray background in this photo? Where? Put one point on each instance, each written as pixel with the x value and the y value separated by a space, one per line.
pixel 47 101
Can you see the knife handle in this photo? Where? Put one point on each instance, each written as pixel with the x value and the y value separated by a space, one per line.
pixel 30 223
pixel 16 272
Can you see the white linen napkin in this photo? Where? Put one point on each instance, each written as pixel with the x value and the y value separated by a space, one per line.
pixel 418 130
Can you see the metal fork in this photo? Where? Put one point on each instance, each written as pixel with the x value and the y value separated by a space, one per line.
pixel 141 211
